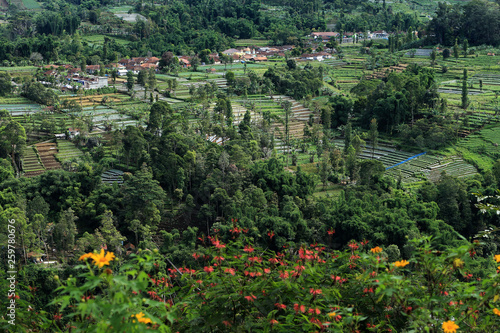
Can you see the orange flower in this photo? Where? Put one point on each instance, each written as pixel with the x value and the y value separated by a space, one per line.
pixel 101 259
pixel 141 319
pixel 450 326
pixel 401 263
pixel 496 311
pixel 332 315
pixel 497 257
pixel 376 249
pixel 86 255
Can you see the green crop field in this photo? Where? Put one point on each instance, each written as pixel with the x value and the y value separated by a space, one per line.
pixel 31 4
pixel 120 9
pixel 252 42
pixel 99 39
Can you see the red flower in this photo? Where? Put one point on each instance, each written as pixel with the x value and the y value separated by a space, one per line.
pixel 219 259
pixel 353 245
pixel 297 308
pixel 251 298
pixel 274 322
pixel 270 234
pixel 255 259
pixel 219 245
pixel 316 311
pixel 300 268
pixel 248 249
pixel 227 323
pixel 231 271
pixel 273 261
pixel 315 291
pixel 208 269
pixel 280 306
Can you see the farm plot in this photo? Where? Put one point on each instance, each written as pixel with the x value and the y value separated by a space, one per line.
pixel 31 164
pixel 94 100
pixel 31 4
pixel 455 166
pixel 112 176
pixel 67 151
pixel 14 100
pixel 415 169
pixel 103 116
pixel 411 171
pixel 492 135
pixel 21 109
pixel 47 152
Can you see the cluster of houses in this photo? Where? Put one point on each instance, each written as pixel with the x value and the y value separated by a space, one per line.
pixel 326 36
pixel 91 78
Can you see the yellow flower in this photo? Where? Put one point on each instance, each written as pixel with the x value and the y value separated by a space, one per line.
pixel 332 314
pixel 86 255
pixel 401 263
pixel 497 257
pixel 101 259
pixel 376 249
pixel 496 311
pixel 141 319
pixel 457 263
pixel 450 326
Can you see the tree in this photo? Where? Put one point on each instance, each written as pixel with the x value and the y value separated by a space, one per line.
pixel 446 54
pixel 151 79
pixel 158 115
pixel 112 237
pixel 287 107
pixel 455 50
pixel 352 164
pixel 225 59
pixel 114 75
pixel 465 47
pixel 195 62
pixel 433 57
pixel 230 78
pixel 144 198
pixel 325 168
pixel 373 135
pixel 174 86
pixel 5 83
pixel 65 231
pixel 370 169
pixel 130 81
pixel 347 137
pixel 12 141
pixel 167 61
pixel 133 144
pixel 465 91
pixel 142 79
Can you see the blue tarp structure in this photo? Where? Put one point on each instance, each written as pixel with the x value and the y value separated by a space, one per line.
pixel 408 159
